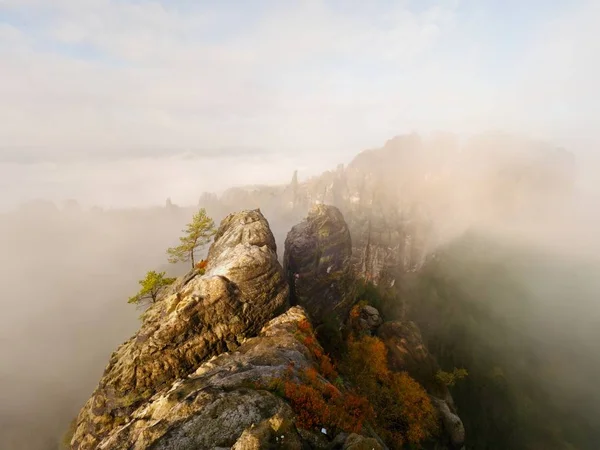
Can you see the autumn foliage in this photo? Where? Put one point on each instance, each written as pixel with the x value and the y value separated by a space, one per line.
pixel 307 337
pixel 201 266
pixel 394 403
pixel 404 411
pixel 315 400
pixel 318 403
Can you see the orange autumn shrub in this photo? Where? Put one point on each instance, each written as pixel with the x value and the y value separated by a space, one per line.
pixel 318 403
pixel 304 326
pixel 307 337
pixel 327 368
pixel 418 413
pixel 315 401
pixel 404 410
pixel 367 360
pixel 308 404
pixel 201 266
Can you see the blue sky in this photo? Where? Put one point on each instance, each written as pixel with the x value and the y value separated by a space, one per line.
pixel 103 77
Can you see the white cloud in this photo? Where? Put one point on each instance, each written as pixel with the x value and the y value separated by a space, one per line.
pixel 302 79
pixel 155 81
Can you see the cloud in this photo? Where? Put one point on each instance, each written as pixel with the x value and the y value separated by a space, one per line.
pixel 123 79
pixel 112 74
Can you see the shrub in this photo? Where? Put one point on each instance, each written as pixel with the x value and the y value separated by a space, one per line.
pixel 315 400
pixel 151 285
pixel 307 337
pixel 404 410
pixel 449 379
pixel 201 266
pixel 418 414
pixel 318 403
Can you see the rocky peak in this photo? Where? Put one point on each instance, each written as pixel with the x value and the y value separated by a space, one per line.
pixel 199 317
pixel 317 263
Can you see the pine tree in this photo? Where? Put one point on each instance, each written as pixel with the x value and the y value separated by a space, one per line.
pixel 198 233
pixel 151 286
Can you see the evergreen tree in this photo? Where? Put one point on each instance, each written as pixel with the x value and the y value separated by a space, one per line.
pixel 198 233
pixel 151 286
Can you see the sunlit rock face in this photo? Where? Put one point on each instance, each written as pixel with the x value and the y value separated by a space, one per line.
pixel 216 405
pixel 199 317
pixel 317 263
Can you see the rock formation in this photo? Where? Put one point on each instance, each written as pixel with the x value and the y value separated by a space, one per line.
pixel 214 359
pixel 225 402
pixel 367 320
pixel 200 317
pixel 317 263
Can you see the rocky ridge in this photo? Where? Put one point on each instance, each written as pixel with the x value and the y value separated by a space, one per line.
pixel 199 317
pixel 222 361
pixel 224 403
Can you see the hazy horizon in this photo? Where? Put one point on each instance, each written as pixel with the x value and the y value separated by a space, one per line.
pixel 94 93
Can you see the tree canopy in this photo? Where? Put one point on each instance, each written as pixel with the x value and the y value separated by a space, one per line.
pixel 151 286
pixel 198 233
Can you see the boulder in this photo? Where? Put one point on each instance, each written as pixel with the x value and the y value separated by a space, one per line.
pixel 317 264
pixel 368 319
pixel 199 317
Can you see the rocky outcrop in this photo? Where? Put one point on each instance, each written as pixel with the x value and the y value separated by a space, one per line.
pixel 367 320
pixel 199 317
pixel 317 263
pixel 406 351
pixel 218 404
pixel 226 402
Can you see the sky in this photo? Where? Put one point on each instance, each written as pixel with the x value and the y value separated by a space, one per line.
pixel 210 94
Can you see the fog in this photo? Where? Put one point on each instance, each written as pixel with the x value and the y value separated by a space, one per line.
pixel 108 108
pixel 68 269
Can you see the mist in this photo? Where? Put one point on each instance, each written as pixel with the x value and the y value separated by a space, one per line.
pixel 108 108
pixel 68 269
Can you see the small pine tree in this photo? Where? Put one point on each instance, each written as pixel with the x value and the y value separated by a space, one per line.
pixel 151 286
pixel 198 233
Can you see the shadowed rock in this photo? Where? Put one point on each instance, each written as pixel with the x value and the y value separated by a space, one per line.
pixel 199 317
pixel 317 263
